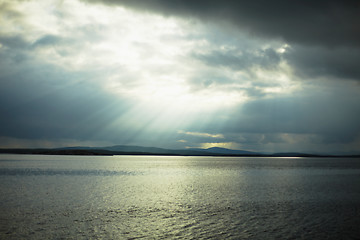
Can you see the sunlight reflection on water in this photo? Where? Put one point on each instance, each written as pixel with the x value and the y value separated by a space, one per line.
pixel 178 197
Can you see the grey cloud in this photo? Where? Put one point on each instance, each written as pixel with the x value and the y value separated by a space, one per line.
pixel 333 116
pixel 307 62
pixel 87 33
pixel 47 40
pixel 17 48
pixel 283 142
pixel 266 59
pixel 206 80
pixel 323 22
pixel 257 138
pixel 226 84
pixel 14 42
pixel 315 62
pixel 247 61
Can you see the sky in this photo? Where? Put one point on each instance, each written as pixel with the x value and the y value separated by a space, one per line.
pixel 267 76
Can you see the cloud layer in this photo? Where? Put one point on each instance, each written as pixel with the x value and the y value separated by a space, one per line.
pixel 258 75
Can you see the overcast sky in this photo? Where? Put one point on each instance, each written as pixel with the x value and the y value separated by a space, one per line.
pixel 257 75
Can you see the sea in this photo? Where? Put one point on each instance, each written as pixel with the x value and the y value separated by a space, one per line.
pixel 177 197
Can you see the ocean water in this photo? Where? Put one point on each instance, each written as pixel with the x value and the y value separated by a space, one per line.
pixel 162 197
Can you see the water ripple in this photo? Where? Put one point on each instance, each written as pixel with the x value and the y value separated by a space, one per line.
pixel 65 172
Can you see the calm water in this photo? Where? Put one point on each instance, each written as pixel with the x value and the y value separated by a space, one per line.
pixel 151 197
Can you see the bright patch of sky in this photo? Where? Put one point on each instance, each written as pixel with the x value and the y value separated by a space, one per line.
pixel 145 56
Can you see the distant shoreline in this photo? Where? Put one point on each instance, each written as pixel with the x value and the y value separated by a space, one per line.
pixel 100 152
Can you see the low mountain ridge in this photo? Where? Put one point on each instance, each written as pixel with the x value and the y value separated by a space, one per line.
pixel 139 150
pixel 227 151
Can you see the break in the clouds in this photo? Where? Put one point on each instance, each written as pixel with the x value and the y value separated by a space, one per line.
pixel 253 75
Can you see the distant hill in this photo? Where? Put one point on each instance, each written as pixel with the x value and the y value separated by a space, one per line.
pixel 45 151
pixel 124 149
pixel 192 151
pixel 132 150
pixel 219 150
pixel 139 150
pixel 295 154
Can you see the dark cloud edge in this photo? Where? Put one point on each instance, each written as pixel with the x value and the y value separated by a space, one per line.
pixel 331 23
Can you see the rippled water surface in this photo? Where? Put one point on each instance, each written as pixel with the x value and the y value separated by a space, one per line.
pixel 152 197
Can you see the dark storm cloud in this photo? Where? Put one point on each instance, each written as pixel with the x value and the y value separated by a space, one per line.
pixel 312 62
pixel 322 22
